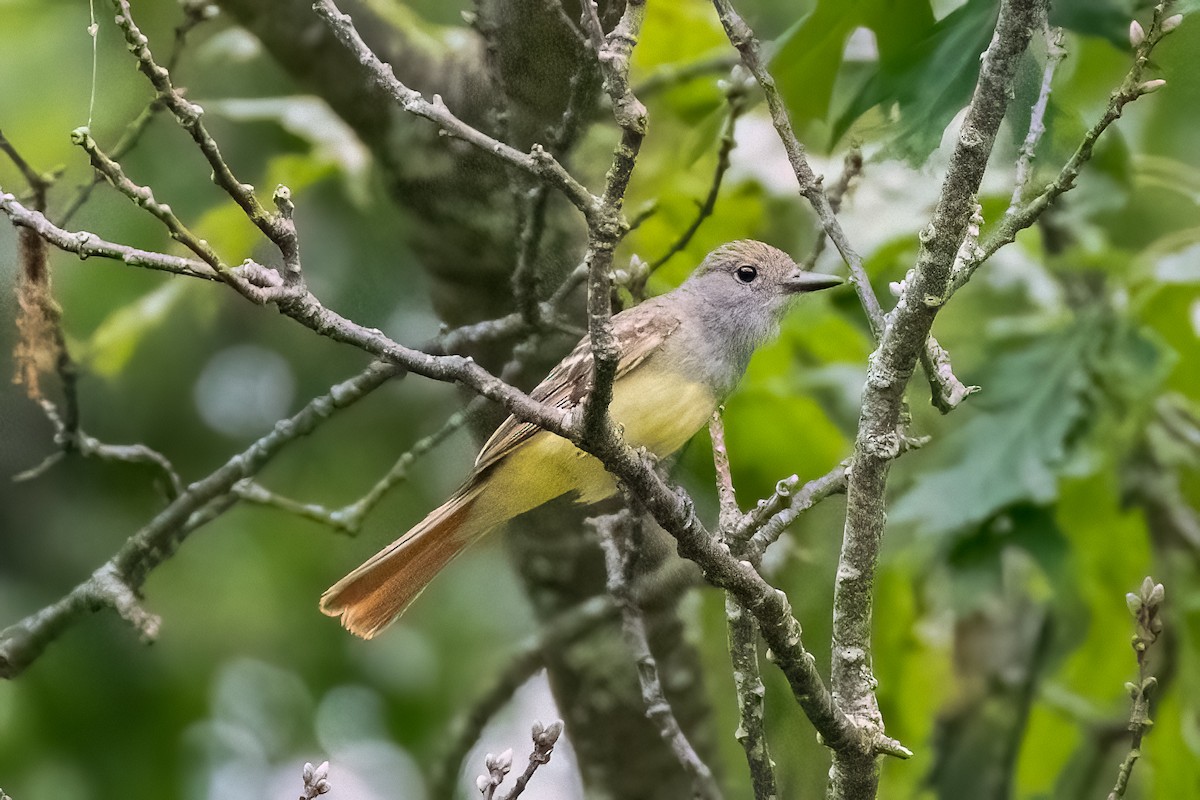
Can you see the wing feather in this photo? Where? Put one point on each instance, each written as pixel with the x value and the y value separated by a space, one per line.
pixel 639 332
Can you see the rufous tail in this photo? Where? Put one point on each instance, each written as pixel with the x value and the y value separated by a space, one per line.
pixel 374 595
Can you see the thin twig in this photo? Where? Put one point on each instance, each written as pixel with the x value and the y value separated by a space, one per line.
pixel 742 37
pixel 89 447
pixel 608 225
pixel 349 518
pixel 194 14
pixel 1055 53
pixel 1145 606
pixel 736 100
pixel 537 162
pixel 1132 87
pixel 544 739
pixel 143 196
pixel 39 184
pixel 117 582
pixel 617 532
pixel 85 244
pixel 532 201
pixel 852 165
pixel 743 640
pixel 276 227
pixel 809 183
pixel 766 523
pixel 670 75
pixel 664 584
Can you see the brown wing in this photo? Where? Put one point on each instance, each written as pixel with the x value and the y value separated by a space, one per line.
pixel 639 332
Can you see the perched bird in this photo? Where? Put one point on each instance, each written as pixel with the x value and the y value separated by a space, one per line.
pixel 681 354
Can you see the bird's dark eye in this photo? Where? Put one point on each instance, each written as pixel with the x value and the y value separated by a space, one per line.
pixel 745 273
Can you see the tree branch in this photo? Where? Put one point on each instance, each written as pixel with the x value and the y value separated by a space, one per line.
pixel 194 14
pixel 1055 53
pixel 536 162
pixel 855 774
pixel 743 640
pixel 607 226
pixel 1131 88
pixel 665 584
pixel 89 447
pixel 86 245
pixel 617 533
pixel 544 739
pixel 742 38
pixel 736 100
pixel 117 582
pixel 277 227
pixel 1145 607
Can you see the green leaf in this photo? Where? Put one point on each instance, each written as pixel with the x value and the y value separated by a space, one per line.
pixel 926 82
pixel 117 337
pixel 1009 451
pixel 331 141
pixel 808 56
pixel 977 561
pixel 1037 408
pixel 1105 18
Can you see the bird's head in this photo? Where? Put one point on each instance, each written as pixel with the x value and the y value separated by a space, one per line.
pixel 751 277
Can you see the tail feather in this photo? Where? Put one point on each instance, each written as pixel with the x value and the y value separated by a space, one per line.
pixel 375 594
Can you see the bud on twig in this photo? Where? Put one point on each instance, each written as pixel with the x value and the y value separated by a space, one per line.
pixel 1151 86
pixel 1171 23
pixel 1137 34
pixel 499 763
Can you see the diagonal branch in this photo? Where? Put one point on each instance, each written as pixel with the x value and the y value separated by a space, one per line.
pixel 742 37
pixel 536 162
pixel 810 184
pixel 278 226
pixel 1055 53
pixel 85 245
pixel 1132 87
pixel 736 100
pixel 117 582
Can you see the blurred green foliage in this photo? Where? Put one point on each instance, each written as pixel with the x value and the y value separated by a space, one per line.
pixel 1001 628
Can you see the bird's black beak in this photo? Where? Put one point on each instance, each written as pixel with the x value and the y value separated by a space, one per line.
pixel 799 282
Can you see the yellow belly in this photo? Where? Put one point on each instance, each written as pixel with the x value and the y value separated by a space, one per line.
pixel 659 414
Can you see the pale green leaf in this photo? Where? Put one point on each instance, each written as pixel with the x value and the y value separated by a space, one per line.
pixel 112 345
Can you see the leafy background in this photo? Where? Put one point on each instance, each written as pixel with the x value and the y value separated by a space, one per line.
pixel 1001 629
